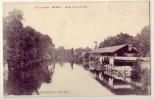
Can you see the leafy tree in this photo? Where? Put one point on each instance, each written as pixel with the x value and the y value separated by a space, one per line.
pixel 61 54
pixel 70 55
pixel 122 38
pixel 26 52
pixel 142 41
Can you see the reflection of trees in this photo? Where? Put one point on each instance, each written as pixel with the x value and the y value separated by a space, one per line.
pixel 28 54
pixel 146 81
pixel 137 71
pixel 61 63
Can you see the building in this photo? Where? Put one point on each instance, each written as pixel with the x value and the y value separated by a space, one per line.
pixel 116 55
pixel 115 63
pixel 120 50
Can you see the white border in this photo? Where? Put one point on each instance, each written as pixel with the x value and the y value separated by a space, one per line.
pixel 1 51
pixel 152 47
pixel 77 98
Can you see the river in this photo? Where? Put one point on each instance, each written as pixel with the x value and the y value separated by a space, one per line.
pixel 69 80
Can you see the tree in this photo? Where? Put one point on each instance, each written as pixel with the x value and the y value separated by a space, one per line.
pixel 119 39
pixel 24 52
pixel 142 41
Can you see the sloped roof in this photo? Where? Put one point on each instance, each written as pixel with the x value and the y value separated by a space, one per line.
pixel 108 49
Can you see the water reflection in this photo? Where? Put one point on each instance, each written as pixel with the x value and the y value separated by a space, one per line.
pixel 72 64
pixel 75 80
pixel 61 63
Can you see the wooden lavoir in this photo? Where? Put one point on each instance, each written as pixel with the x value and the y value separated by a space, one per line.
pixel 113 65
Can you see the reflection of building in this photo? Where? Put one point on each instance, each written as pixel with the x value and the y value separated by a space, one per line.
pixel 115 63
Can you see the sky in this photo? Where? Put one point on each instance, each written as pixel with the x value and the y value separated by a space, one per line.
pixel 85 23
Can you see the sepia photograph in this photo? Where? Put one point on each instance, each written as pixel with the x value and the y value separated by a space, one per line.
pixel 76 48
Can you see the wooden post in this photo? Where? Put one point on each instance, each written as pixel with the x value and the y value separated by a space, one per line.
pixel 100 76
pixel 95 74
pixel 111 82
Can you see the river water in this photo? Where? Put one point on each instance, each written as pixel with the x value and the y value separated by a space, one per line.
pixel 68 80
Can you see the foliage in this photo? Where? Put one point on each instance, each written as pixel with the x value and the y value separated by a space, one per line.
pixel 62 54
pixel 79 54
pixel 137 71
pixel 145 80
pixel 70 55
pixel 27 53
pixel 122 38
pixel 140 41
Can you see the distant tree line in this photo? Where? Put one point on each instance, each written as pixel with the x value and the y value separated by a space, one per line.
pixel 70 55
pixel 141 41
pixel 62 54
pixel 79 54
pixel 28 54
